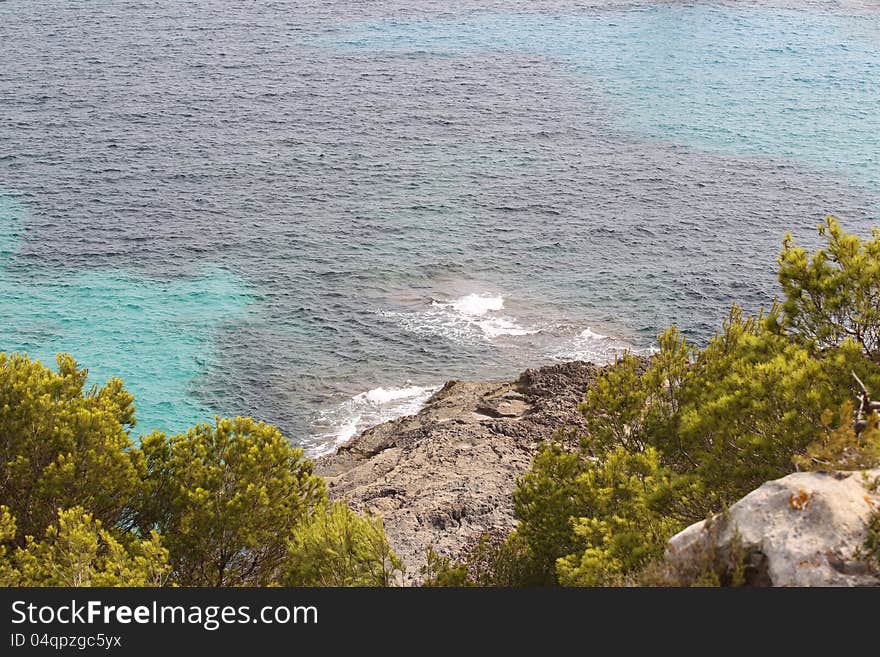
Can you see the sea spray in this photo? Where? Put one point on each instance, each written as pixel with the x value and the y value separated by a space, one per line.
pixel 473 318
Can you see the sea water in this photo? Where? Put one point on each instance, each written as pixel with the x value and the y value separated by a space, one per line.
pixel 315 212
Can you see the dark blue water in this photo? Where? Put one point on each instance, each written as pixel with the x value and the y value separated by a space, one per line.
pixel 314 212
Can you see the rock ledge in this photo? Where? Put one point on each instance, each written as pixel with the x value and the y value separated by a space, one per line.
pixel 446 475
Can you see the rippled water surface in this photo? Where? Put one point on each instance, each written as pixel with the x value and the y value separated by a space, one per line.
pixel 315 212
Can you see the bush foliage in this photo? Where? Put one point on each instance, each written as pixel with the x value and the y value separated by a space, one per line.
pixel 224 504
pixel 337 547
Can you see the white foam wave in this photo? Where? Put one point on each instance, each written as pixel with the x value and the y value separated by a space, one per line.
pixel 501 326
pixel 592 346
pixel 475 305
pixel 471 319
pixel 590 334
pixel 336 426
pixel 380 396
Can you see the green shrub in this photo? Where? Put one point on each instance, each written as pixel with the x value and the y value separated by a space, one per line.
pixel 227 499
pixel 78 551
pixel 442 571
pixel 219 505
pixel 337 547
pixel 496 559
pixel 64 445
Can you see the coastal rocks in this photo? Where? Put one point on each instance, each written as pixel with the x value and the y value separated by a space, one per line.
pixel 805 529
pixel 445 476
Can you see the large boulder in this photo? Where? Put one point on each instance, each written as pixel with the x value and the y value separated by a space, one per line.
pixel 806 529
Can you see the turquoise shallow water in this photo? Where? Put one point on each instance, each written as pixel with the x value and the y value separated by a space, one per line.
pixel 157 336
pixel 315 212
pixel 785 83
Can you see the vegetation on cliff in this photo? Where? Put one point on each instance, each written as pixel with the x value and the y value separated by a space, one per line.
pixel 224 504
pixel 681 437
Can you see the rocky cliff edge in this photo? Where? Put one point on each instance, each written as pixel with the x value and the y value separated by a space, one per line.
pixel 445 476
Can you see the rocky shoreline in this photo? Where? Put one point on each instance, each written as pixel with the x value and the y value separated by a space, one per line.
pixel 444 476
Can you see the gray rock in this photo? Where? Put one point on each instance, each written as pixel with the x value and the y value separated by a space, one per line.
pixel 807 528
pixel 446 475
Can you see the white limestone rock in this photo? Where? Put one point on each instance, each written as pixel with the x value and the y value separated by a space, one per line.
pixel 807 528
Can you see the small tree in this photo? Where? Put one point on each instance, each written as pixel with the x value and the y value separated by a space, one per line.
pixel 835 294
pixel 227 499
pixel 78 551
pixel 620 531
pixel 62 445
pixel 546 498
pixel 337 547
